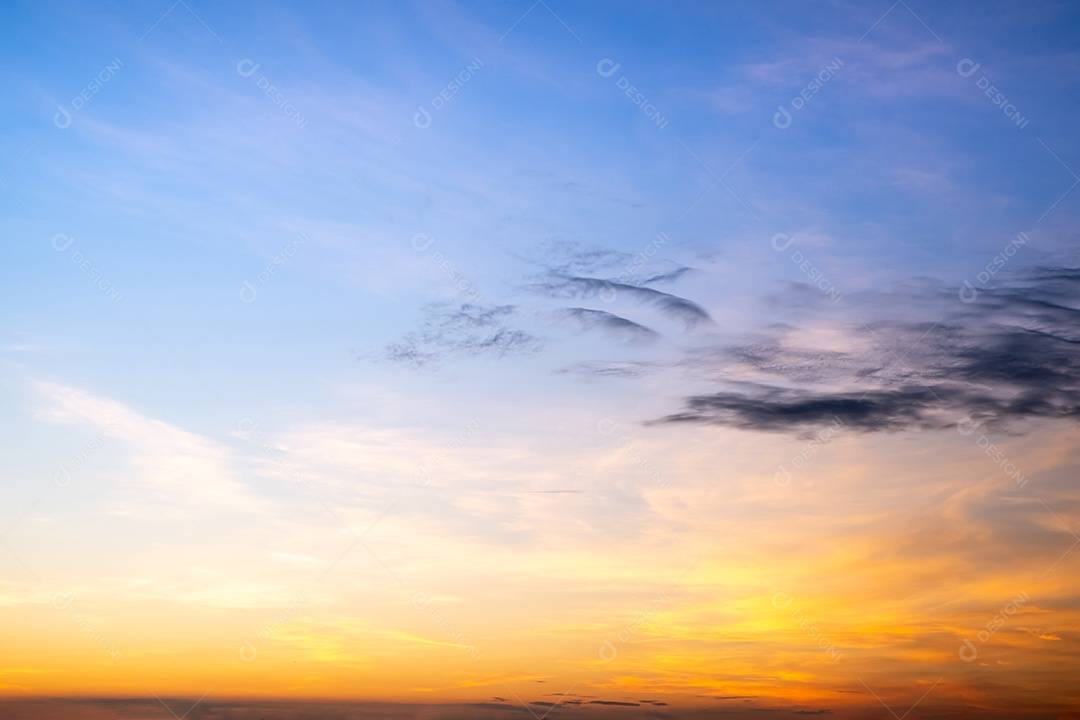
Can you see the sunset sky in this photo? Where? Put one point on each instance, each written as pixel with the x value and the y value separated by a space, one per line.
pixel 591 359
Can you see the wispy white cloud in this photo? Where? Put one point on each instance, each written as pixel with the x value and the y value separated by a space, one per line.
pixel 181 465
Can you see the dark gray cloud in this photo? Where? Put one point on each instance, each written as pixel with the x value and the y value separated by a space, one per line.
pixel 462 329
pixel 771 408
pixel 607 291
pixel 615 324
pixel 667 277
pixel 573 272
pixel 614 702
pixel 466 329
pixel 1012 354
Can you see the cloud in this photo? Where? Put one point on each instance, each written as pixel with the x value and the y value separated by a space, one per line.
pixel 772 408
pixel 614 702
pixel 1012 354
pixel 462 329
pixel 467 329
pixel 667 277
pixel 178 463
pixel 616 325
pixel 569 258
pixel 570 286
pixel 564 258
pixel 571 272
pixel 608 369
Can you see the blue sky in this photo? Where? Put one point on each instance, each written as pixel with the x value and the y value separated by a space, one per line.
pixel 178 159
pixel 496 271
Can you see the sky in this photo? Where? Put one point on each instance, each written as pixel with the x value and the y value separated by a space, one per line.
pixel 496 359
